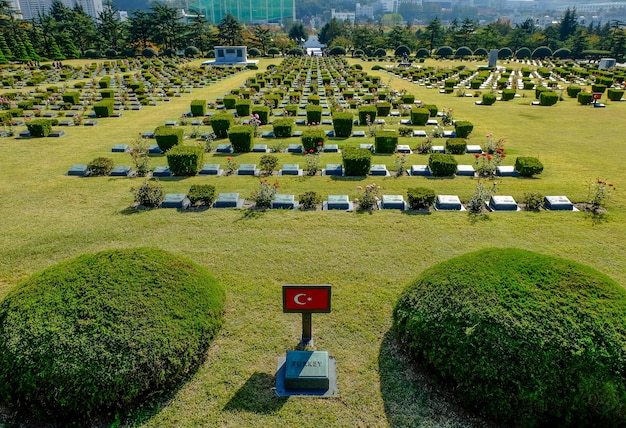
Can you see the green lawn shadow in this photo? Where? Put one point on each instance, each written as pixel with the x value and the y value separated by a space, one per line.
pixel 256 396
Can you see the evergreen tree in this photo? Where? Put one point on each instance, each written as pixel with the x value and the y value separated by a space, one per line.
pixel 568 25
pixel 67 46
pixel 229 31
pixel 435 33
pixel 5 48
pixel 55 52
pixel 21 54
pixel 3 59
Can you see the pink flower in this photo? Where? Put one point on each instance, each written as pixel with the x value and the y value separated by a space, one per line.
pixel 359 188
pixel 488 135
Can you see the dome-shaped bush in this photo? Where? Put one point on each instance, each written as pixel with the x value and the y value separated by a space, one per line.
pixel 463 51
pixel 422 53
pixel 523 337
pixel 402 50
pixel 562 53
pixel 148 52
pixel 337 50
pixel 380 52
pixel 192 51
pixel 254 52
pixel 102 331
pixel 358 53
pixel 523 53
pixel 541 52
pixel 296 52
pixel 444 51
pixel 110 53
pixel 505 53
pixel 482 52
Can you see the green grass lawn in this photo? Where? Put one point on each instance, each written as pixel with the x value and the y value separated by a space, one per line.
pixel 48 217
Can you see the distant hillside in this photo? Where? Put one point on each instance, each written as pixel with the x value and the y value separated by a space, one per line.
pixel 131 5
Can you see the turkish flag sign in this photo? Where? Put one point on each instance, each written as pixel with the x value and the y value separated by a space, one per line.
pixel 306 298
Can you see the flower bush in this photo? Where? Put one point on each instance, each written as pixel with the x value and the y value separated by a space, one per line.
pixel 309 200
pixel 369 197
pixel 481 195
pixel 231 166
pixel 264 195
pixel 486 164
pixel 149 194
pixel 599 194
pixel 139 153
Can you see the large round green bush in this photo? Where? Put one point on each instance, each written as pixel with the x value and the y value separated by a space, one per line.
pixel 524 338
pixel 101 332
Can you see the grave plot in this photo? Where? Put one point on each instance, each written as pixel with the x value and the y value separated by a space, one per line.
pixel 283 201
pixel 502 203
pixel 448 203
pixel 228 200
pixel 175 200
pixel 338 202
pixel 558 203
pixel 392 202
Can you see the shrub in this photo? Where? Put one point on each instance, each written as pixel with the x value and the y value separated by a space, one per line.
pixel 385 141
pixel 432 109
pixel 71 98
pixel 532 201
pixel 148 52
pixel 268 164
pixel 309 200
pixel 168 137
pixel 356 162
pixel 420 198
pixel 456 146
pixel 523 53
pixel 442 165
pixel 562 53
pixel 312 139
pixel 39 127
pixel 254 52
pixel 198 108
pixel 615 94
pixel 489 99
pixel 230 101
pixel 444 51
pixel 202 194
pixel 291 109
pixel 505 53
pixel 220 123
pixel 573 90
pixel 105 82
pixel 100 166
pixel 263 113
pixel 264 195
pixel 541 52
pixel 585 98
pixel 367 112
pixel 104 108
pixel 422 53
pixel 337 50
pixel 508 94
pixel 243 107
pixel 380 52
pixel 107 93
pixel 548 98
pixel 313 114
pixel 419 116
pixel 408 99
pixel 463 51
pixel 602 80
pixel 103 331
pixel 596 87
pixel 383 108
pixel 185 160
pixel 528 166
pixel 463 128
pixel 283 128
pixel 342 124
pixel 521 336
pixel 241 137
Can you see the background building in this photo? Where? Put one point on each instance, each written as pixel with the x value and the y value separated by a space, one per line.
pixel 246 11
pixel 32 8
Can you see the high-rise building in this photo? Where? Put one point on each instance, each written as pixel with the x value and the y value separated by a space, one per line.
pixel 33 8
pixel 245 11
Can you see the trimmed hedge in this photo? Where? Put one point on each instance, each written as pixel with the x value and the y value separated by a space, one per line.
pixel 243 107
pixel 283 128
pixel 585 98
pixel 185 160
pixel 313 114
pixel 548 98
pixel 524 338
pixel 508 94
pixel 456 146
pixel 366 110
pixel 101 332
pixel 71 97
pixel 442 165
pixel 419 116
pixel 263 112
pixel 104 108
pixel 356 162
pixel 528 166
pixel 107 93
pixel 198 108
pixel 168 137
pixel 489 99
pixel 615 94
pixel 432 108
pixel 241 137
pixel 311 139
pixel 420 197
pixel 221 122
pixel 230 101
pixel 100 166
pixel 383 108
pixel 385 141
pixel 463 128
pixel 39 127
pixel 342 124
pixel 573 90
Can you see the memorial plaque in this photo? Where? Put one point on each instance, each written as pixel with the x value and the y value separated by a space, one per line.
pixel 247 169
pixel 148 134
pixel 224 148
pixel 432 122
pixel 210 169
pixel 419 133
pixel 369 147
pixel 330 133
pixel 502 203
pixel 465 170
pixel 267 134
pixel 403 148
pixel 294 148
pixel 393 202
pixel 420 170
pixel 259 148
pixel 333 169
pixel 307 370
pixel 379 170
pixel 448 203
pixel 120 171
pixel 558 203
pixel 474 148
pixel 506 171
pixel 297 133
pixel 119 148
pixel 358 134
pixel 228 200
pixel 331 148
pixel 281 201
pixel 161 171
pixel 175 200
pixel 338 202
pixel 79 170
pixel 290 169
pixel 438 149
